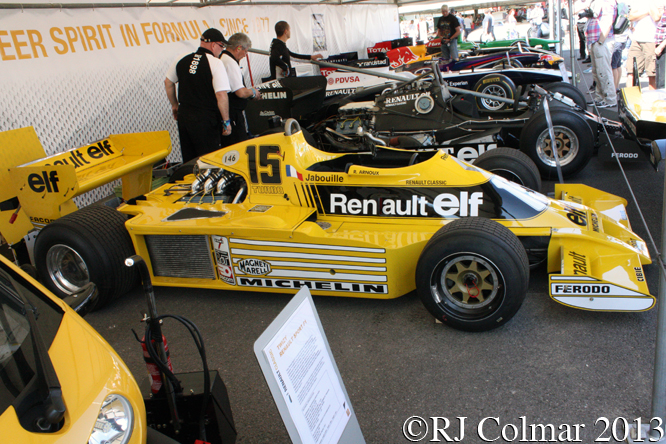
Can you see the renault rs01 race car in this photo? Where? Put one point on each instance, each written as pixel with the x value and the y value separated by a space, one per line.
pixel 274 214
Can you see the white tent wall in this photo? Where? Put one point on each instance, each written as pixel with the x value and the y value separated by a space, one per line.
pixel 77 75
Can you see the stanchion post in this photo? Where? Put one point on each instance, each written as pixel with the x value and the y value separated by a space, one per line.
pixel 659 377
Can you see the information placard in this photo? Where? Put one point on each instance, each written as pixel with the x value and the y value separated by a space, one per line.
pixel 305 383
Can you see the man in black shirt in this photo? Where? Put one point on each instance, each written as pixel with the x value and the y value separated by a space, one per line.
pixel 280 54
pixel 202 105
pixel 448 30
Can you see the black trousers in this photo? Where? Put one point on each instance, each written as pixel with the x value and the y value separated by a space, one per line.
pixel 239 130
pixel 581 38
pixel 200 132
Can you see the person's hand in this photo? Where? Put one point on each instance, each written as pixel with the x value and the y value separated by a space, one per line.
pixel 227 131
pixel 658 50
pixel 317 57
pixel 226 127
pixel 174 111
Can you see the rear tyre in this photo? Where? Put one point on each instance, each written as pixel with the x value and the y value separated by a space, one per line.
pixel 512 165
pixel 574 142
pixel 89 245
pixel 496 85
pixel 473 274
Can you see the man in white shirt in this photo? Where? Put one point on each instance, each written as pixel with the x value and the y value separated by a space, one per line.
pixel 237 48
pixel 643 16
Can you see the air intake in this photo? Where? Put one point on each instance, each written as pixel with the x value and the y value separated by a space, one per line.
pixel 181 256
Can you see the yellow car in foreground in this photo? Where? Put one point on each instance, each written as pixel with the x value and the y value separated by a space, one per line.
pixel 60 381
pixel 275 213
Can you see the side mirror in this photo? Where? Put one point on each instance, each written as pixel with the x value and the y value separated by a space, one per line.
pixel 85 300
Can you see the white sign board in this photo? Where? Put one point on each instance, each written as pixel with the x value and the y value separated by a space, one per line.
pixel 304 380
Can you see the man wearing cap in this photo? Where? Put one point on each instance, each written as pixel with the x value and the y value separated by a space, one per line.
pixel 202 105
pixel 280 54
pixel 238 46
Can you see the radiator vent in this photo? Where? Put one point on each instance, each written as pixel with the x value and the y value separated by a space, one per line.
pixel 181 256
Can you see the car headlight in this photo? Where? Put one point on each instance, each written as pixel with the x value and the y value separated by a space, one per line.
pixel 114 422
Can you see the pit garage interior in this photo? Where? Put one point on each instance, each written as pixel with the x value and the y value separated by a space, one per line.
pixel 80 72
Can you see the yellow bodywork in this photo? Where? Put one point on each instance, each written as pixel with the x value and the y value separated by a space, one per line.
pixel 88 370
pixel 301 224
pixel 45 186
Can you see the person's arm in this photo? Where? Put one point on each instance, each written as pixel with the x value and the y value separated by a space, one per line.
pixel 655 14
pixel 223 106
pixel 170 88
pixel 637 13
pixel 605 25
pixel 455 34
pixel 304 56
pixel 248 93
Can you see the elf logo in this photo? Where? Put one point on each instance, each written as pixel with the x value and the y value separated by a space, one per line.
pixel 48 181
pixel 465 204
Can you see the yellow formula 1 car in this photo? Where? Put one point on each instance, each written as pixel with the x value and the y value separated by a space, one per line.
pixel 61 382
pixel 274 214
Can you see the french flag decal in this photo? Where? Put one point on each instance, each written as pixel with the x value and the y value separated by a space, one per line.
pixel 291 172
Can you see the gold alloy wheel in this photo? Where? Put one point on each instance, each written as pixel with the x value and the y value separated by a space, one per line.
pixel 468 282
pixel 566 145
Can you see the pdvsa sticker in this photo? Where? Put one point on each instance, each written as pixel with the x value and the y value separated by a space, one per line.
pixel 230 158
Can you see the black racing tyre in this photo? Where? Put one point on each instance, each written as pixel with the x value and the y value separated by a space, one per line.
pixel 496 85
pixel 566 90
pixel 89 245
pixel 575 142
pixel 473 274
pixel 512 165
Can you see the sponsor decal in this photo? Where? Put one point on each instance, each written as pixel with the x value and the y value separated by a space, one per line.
pixel 625 155
pixel 274 95
pixel 267 189
pixel 259 208
pixel 255 267
pixel 577 216
pixel 595 222
pixel 46 181
pixel 377 50
pixel 425 182
pixel 491 80
pixel 223 259
pixel 445 204
pixel 459 83
pixel 349 287
pixel 486 200
pixel 468 153
pixel 320 178
pixel 40 220
pixel 366 172
pixel 639 274
pixel 401 100
pixel 327 71
pixel 371 63
pixel 589 289
pixel 345 79
pixel 345 91
pixel 266 113
pixel 579 263
pixel 82 157
pixel 230 158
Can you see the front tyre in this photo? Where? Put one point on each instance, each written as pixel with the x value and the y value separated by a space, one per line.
pixel 497 85
pixel 89 245
pixel 473 274
pixel 574 142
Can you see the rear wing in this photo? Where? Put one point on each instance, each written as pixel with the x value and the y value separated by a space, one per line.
pixel 40 189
